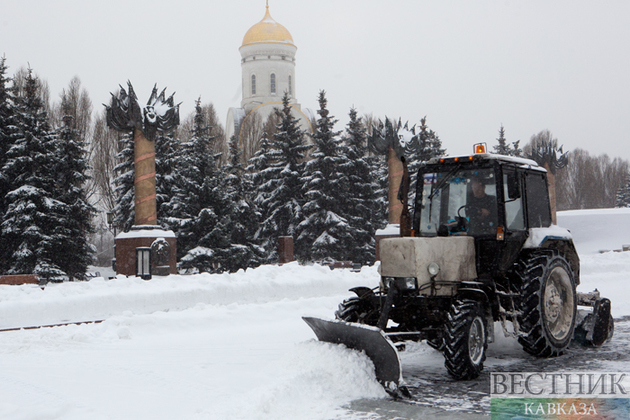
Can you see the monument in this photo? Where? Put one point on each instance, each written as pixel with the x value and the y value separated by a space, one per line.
pixel 147 248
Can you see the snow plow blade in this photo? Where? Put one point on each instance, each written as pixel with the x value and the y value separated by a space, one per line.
pixel 368 339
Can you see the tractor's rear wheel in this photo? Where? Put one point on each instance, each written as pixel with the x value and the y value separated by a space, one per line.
pixel 548 304
pixel 465 340
pixel 436 343
pixel 357 310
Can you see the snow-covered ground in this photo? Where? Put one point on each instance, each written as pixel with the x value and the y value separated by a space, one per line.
pixel 234 346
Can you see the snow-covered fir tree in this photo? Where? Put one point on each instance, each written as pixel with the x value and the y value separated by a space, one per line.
pixel 363 211
pixel 503 148
pixel 33 212
pixel 261 174
pixel 426 144
pixel 623 194
pixel 7 129
pixel 324 234
pixel 244 252
pixel 199 209
pixel 283 204
pixel 71 235
pixel 166 157
pixel 379 172
pixel 124 211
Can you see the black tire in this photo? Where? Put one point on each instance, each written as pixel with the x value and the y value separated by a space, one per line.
pixel 357 310
pixel 548 304
pixel 436 343
pixel 465 340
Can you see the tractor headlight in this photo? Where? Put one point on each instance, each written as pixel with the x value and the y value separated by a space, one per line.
pixel 401 283
pixel 433 269
pixel 408 283
pixel 387 282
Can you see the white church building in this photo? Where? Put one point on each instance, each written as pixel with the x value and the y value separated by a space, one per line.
pixel 268 71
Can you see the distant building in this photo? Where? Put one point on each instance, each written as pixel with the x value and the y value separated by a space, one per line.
pixel 268 70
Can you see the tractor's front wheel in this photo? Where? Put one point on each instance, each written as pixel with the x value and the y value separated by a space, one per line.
pixel 357 310
pixel 465 340
pixel 548 304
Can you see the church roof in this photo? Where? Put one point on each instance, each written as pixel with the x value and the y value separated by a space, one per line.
pixel 267 31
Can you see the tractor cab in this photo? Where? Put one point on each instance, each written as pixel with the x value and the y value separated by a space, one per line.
pixel 495 199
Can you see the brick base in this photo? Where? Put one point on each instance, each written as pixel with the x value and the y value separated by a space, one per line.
pixel 126 244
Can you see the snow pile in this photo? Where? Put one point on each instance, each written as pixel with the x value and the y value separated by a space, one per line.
pixel 194 347
pixel 319 378
pixel 98 299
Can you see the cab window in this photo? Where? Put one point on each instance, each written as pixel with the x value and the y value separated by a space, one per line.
pixel 538 210
pixel 514 216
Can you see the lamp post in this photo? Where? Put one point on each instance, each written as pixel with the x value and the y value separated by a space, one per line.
pixel 110 222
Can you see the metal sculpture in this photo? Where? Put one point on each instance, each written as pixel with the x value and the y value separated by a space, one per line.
pixel 393 140
pixel 124 114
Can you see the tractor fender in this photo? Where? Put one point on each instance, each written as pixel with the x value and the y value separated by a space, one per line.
pixel 558 239
pixel 478 295
pixel 362 292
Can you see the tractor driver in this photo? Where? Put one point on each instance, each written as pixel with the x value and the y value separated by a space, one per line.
pixel 481 208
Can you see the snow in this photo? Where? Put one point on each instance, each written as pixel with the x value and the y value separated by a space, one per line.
pixel 146 232
pixel 229 346
pixel 597 230
pixel 539 235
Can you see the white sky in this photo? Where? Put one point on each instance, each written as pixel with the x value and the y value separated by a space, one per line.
pixel 469 66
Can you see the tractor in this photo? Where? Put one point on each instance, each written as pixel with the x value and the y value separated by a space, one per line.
pixel 479 248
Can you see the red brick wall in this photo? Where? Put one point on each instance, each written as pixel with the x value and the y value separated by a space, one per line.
pixel 19 279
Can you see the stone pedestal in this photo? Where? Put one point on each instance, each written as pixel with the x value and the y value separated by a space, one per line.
pixel 163 257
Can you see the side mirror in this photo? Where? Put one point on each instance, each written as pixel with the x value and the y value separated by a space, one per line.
pixel 513 186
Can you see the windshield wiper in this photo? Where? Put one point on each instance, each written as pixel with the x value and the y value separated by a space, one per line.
pixel 443 181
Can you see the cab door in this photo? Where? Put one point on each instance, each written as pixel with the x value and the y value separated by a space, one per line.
pixel 514 216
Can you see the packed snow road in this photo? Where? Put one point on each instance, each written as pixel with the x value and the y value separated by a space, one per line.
pixel 235 347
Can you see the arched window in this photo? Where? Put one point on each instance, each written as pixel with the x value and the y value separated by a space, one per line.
pixel 290 86
pixel 253 84
pixel 273 83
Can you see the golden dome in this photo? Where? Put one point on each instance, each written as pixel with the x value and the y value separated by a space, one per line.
pixel 267 30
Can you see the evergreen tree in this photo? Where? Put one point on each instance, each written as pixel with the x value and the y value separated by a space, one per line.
pixel 364 212
pixel 166 157
pixel 7 129
pixel 244 251
pixel 623 194
pixel 285 200
pixel 71 235
pixel 380 173
pixel 32 212
pixel 324 234
pixel 503 148
pixel 261 175
pixel 124 210
pixel 425 145
pixel 199 210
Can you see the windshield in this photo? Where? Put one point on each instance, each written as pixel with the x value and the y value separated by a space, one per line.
pixel 458 202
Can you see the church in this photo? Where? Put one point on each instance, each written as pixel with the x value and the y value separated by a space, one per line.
pixel 268 71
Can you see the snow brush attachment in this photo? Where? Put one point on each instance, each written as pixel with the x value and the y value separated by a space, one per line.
pixel 594 327
pixel 370 340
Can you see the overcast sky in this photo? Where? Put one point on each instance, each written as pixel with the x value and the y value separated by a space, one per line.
pixel 469 66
